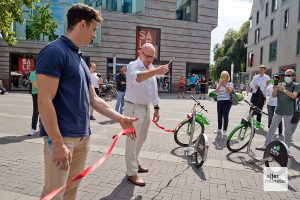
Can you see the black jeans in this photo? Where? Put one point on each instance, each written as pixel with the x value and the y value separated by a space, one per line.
pixel 35 113
pixel 271 110
pixel 223 108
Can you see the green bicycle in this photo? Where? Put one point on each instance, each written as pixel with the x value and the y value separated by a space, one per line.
pixel 276 153
pixel 190 133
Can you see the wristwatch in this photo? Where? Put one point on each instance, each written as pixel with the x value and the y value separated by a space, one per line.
pixel 156 107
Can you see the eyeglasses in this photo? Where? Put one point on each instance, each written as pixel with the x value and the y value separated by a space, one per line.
pixel 147 56
pixel 288 75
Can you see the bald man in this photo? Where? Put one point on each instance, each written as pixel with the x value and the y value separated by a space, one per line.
pixel 141 91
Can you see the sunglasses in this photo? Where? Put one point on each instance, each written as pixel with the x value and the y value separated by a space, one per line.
pixel 288 75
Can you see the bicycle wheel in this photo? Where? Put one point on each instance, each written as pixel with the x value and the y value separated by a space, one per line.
pixel 238 138
pixel 182 135
pixel 108 95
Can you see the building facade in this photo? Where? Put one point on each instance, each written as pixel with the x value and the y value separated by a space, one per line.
pixel 274 36
pixel 177 28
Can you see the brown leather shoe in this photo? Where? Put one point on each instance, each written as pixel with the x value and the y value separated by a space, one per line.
pixel 142 169
pixel 136 180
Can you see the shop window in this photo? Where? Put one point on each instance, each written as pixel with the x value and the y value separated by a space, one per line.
pixel 187 10
pixel 273 51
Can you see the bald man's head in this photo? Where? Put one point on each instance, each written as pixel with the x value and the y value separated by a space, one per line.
pixel 147 54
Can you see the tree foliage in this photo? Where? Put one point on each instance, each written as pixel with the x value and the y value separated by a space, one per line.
pixel 41 23
pixel 233 49
pixel 11 11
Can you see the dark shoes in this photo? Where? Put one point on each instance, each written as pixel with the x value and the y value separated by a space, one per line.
pixel 92 117
pixel 136 180
pixel 142 169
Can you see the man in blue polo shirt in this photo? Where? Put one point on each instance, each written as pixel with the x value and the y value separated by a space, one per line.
pixel 65 95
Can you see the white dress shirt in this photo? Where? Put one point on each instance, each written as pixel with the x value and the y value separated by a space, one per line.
pixel 260 81
pixel 144 92
pixel 272 101
pixel 94 80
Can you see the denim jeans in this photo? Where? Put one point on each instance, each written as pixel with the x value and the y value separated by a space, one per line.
pixel 35 112
pixel 120 102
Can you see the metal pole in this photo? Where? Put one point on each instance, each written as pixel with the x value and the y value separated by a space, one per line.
pixel 114 66
pixel 232 70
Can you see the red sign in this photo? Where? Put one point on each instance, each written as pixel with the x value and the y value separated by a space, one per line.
pixel 26 64
pixel 148 35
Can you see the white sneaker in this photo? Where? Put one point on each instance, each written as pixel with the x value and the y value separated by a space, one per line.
pixel 262 147
pixel 225 133
pixel 32 132
pixel 219 131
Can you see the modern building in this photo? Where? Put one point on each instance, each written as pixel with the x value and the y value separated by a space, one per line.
pixel 177 28
pixel 274 36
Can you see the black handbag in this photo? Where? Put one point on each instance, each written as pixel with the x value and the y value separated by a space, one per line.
pixel 296 116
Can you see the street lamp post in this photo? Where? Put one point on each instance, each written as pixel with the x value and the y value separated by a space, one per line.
pixel 232 70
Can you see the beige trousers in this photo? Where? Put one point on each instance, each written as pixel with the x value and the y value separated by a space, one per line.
pixel 133 148
pixel 55 177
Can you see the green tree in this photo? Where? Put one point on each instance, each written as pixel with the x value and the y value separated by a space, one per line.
pixel 10 12
pixel 41 23
pixel 233 49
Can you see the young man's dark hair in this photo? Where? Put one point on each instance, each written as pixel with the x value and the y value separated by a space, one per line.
pixel 80 12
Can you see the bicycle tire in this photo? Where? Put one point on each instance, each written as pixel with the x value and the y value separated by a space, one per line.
pixel 197 163
pixel 186 143
pixel 234 132
pixel 108 95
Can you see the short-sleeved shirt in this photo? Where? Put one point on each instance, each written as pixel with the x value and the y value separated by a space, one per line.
pixel 62 59
pixel 32 79
pixel 223 95
pixel 94 80
pixel 193 79
pixel 285 104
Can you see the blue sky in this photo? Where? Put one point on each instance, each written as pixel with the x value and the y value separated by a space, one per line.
pixel 232 14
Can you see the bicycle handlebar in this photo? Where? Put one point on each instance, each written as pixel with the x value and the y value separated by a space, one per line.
pixel 198 103
pixel 255 108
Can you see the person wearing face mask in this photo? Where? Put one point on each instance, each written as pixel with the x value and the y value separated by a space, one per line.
pixel 286 96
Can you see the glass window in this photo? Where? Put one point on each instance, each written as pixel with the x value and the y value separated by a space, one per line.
pixel 257 35
pixel 272 27
pixel 257 17
pixel 273 51
pixel 274 5
pixel 267 9
pixel 187 10
pixel 125 6
pixel 298 43
pixel 299 11
pixel 286 19
pixel 261 55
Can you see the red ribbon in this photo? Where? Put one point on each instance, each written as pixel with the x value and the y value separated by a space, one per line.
pixel 163 128
pixel 91 167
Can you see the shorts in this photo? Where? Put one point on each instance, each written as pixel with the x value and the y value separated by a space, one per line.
pixel 181 88
pixel 202 90
pixel 193 85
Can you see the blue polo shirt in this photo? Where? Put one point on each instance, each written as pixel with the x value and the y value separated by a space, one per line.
pixel 62 59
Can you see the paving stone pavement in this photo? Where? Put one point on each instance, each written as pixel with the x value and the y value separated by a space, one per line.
pixel 172 176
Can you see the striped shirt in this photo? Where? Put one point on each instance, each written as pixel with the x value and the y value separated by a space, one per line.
pixel 223 95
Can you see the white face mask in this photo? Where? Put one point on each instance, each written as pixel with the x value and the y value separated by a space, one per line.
pixel 287 79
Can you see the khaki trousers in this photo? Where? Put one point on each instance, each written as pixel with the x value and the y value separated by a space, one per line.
pixel 133 148
pixel 55 177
